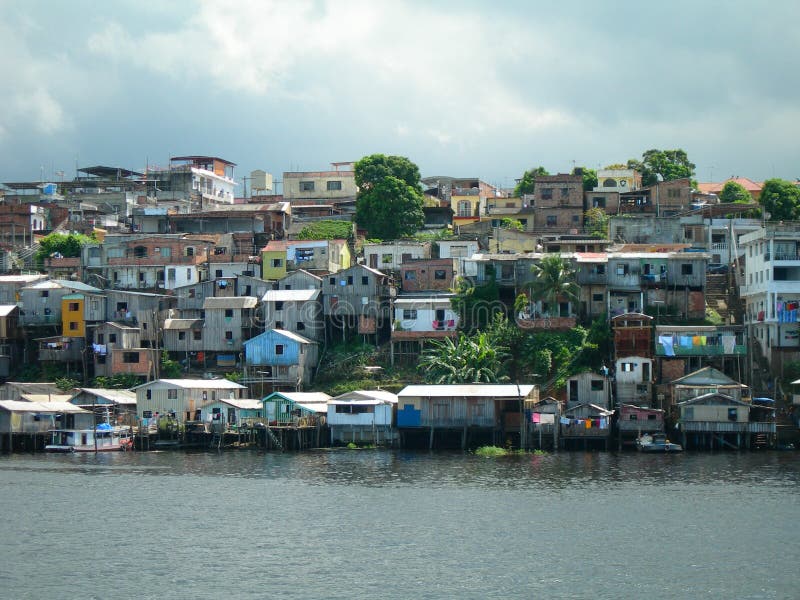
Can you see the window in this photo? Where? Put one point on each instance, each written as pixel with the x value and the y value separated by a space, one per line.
pixel 74 306
pixel 410 275
pixel 622 269
pixel 141 276
pixel 633 417
pixel 733 414
pixel 332 281
pixel 172 394
pixel 45 294
pixel 673 193
pixel 440 274
pixel 278 349
pixel 464 208
pixel 73 326
pixel 365 280
pixel 278 324
pixel 627 367
pixel 547 193
pixel 599 202
pixel 552 220
pixel 597 297
pixel 160 275
pixel 300 326
pixel 386 258
pixel 349 280
pixel 598 385
pixel 218 273
pixel 112 338
pixel 188 274
pixel 166 252
pixel 130 357
pixel 140 252
pixel 149 394
pixel 228 335
pixel 100 338
pixel 564 192
pixel 334 186
pixel 181 335
pixel 306 186
pixel 601 269
pixel 171 277
pixel 609 182
pixel 228 313
pixel 575 218
pixel 197 335
pixel 277 262
pixel 409 314
pixel 189 251
pixel 279 305
pixel 686 269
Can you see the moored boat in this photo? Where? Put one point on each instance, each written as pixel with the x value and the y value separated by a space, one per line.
pixel 103 438
pixel 656 442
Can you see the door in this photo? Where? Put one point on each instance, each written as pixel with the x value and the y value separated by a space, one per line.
pixel 231 415
pixel 645 371
pixel 573 391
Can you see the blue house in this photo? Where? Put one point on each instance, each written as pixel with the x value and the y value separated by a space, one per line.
pixel 280 360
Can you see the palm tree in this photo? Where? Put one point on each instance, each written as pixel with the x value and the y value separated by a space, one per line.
pixel 553 279
pixel 468 359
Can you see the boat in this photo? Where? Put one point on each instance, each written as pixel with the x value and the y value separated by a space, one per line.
pixel 103 438
pixel 656 442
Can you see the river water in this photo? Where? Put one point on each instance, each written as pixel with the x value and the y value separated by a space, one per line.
pixel 393 524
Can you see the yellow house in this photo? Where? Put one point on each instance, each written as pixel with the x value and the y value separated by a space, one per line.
pixel 273 261
pixel 72 319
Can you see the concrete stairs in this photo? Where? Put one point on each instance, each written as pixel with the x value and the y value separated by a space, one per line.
pixel 722 296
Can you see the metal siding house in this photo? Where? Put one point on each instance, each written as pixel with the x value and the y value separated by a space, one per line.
pixel 228 321
pixel 363 416
pixel 300 280
pixel 235 411
pixel 357 298
pixel 716 420
pixel 281 359
pixel 281 408
pixel 588 388
pixel 41 302
pixel 298 311
pixel 187 399
pixel 183 335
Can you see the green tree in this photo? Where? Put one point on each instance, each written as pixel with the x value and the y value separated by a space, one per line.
pixel 120 381
pixel 596 222
pixel 475 305
pixel 781 199
pixel 389 203
pixel 527 182
pixel 589 178
pixel 170 369
pixel 327 230
pixel 735 192
pixel 509 223
pixel 553 278
pixel 67 245
pixel 467 359
pixel 66 384
pixel 664 165
pixel 616 167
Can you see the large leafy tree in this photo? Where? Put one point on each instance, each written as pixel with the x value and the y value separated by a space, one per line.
pixel 527 182
pixel 389 203
pixel 553 278
pixel 781 199
pixel 589 178
pixel 68 245
pixel 467 359
pixel 596 222
pixel 475 305
pixel 664 165
pixel 735 192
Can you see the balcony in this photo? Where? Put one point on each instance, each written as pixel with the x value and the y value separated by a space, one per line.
pixel 706 350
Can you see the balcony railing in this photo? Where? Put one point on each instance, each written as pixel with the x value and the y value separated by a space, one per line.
pixel 728 427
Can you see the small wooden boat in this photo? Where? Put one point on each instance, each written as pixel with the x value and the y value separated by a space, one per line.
pixel 103 438
pixel 656 442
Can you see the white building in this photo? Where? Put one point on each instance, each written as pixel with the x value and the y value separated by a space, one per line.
pixel 362 416
pixel 771 286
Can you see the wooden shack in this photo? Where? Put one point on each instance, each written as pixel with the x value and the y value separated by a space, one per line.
pixel 586 426
pixel 25 425
pixel 363 416
pixel 633 335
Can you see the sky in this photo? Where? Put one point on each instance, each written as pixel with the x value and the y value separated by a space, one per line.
pixel 462 88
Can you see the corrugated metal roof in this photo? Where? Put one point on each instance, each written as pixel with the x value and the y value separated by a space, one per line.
pixel 197 384
pixel 231 302
pixel 182 323
pixel 41 407
pixel 243 403
pixel 364 397
pixel 317 407
pixel 45 398
pixel 290 295
pixel 473 390
pixel 6 309
pixel 293 336
pixel 303 397
pixel 116 396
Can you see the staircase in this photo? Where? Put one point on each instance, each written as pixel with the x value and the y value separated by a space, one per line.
pixel 720 298
pixel 216 440
pixel 274 438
